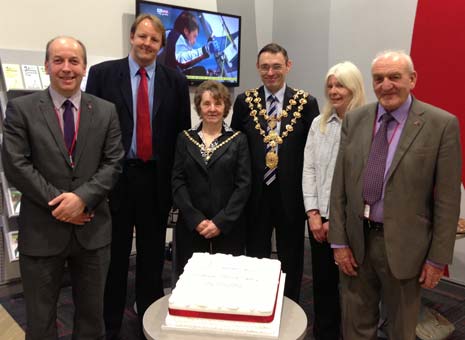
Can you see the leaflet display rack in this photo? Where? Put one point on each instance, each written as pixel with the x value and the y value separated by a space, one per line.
pixel 9 268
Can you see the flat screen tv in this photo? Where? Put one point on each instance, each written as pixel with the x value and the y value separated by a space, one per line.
pixel 201 44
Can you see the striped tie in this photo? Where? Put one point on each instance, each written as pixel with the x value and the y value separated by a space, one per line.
pixel 270 174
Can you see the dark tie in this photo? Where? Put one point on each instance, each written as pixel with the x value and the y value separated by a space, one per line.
pixel 270 174
pixel 68 124
pixel 143 131
pixel 373 178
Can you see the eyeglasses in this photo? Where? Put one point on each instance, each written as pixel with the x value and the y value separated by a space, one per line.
pixel 265 68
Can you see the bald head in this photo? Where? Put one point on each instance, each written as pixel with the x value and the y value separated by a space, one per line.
pixel 78 42
pixel 395 56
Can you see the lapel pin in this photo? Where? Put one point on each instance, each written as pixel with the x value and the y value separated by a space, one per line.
pixel 417 123
pixel 89 106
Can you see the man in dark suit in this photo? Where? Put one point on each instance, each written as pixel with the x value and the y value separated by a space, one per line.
pixel 276 120
pixel 142 196
pixel 62 150
pixel 392 239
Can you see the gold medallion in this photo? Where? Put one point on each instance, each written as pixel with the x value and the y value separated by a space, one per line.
pixel 271 159
pixel 272 123
pixel 271 137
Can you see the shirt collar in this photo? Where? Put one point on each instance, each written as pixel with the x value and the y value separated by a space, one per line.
pixel 278 94
pixel 400 114
pixel 134 68
pixel 58 99
pixel 333 116
pixel 225 128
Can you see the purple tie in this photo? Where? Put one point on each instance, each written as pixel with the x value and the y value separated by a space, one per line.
pixel 68 124
pixel 373 178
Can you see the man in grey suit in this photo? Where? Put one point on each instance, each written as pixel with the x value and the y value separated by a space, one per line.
pixel 398 240
pixel 62 149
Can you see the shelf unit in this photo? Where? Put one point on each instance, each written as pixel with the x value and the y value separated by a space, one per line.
pixel 9 269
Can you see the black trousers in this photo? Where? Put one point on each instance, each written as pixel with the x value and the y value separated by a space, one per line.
pixel 326 303
pixel 137 207
pixel 290 232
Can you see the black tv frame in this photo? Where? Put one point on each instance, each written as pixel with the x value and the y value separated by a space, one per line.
pixel 193 80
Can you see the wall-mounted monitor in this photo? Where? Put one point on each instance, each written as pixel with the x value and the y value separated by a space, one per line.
pixel 201 44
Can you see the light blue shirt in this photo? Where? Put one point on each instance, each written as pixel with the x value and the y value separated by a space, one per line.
pixel 135 80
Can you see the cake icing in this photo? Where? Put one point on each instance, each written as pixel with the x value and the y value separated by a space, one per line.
pixel 228 294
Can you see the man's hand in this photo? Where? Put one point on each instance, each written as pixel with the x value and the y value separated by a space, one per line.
pixel 210 231
pixel 69 206
pixel 430 276
pixel 81 219
pixel 212 47
pixel 345 260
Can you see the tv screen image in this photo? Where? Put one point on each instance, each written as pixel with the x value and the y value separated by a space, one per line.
pixel 201 44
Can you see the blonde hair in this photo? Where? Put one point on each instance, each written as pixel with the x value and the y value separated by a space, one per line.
pixel 351 78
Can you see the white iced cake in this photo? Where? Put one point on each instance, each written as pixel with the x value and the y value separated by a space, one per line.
pixel 228 294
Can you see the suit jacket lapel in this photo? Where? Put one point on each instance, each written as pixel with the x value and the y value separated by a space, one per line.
pixel 412 127
pixel 367 124
pixel 218 152
pixel 50 116
pixel 288 94
pixel 261 120
pixel 160 82
pixel 85 122
pixel 125 86
pixel 194 150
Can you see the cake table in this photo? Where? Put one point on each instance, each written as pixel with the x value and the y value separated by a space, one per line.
pixel 293 324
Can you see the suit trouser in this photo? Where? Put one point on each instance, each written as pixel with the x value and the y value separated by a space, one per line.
pixel 42 277
pixel 326 301
pixel 361 296
pixel 137 208
pixel 290 233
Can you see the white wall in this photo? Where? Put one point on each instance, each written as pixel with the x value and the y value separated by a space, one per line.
pixel 361 28
pixel 321 33
pixel 103 25
pixel 302 27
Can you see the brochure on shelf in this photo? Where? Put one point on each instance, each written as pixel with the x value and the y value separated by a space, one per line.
pixel 31 77
pixel 44 78
pixel 13 78
pixel 12 245
pixel 12 197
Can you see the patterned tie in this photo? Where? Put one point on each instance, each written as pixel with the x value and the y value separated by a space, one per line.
pixel 270 174
pixel 373 178
pixel 143 131
pixel 68 124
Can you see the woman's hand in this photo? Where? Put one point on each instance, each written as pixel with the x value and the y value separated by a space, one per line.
pixel 318 229
pixel 209 229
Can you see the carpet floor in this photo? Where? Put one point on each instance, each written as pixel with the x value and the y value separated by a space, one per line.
pixel 447 299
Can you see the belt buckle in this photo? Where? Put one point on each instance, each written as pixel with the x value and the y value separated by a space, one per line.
pixel 372 225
